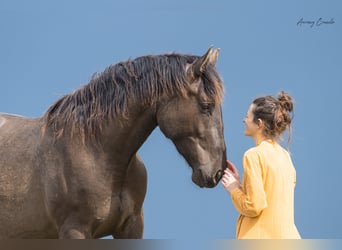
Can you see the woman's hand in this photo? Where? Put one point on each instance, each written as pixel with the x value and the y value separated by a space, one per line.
pixel 233 169
pixel 231 177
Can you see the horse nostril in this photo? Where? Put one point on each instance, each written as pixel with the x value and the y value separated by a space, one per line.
pixel 217 177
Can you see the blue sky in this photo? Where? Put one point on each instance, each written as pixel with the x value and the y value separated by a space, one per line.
pixel 50 48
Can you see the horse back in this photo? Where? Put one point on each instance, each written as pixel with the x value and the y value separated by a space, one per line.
pixel 19 137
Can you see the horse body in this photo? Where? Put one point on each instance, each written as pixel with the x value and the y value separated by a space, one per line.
pixel 61 183
pixel 75 172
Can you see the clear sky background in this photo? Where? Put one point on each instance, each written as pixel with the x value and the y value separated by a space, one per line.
pixel 50 48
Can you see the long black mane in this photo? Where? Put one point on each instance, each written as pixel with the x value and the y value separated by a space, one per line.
pixel 144 79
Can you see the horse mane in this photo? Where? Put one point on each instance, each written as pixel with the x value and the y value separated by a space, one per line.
pixel 106 96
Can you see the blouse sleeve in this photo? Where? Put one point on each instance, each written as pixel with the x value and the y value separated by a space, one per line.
pixel 250 200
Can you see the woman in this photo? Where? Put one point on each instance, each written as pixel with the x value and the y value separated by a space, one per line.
pixel 265 198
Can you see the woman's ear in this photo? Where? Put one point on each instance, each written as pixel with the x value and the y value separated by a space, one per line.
pixel 260 123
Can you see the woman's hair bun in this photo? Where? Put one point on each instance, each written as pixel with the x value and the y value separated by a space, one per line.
pixel 285 101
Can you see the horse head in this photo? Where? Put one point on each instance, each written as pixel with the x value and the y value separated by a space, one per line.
pixel 193 121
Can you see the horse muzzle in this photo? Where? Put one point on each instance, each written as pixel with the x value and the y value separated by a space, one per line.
pixel 206 181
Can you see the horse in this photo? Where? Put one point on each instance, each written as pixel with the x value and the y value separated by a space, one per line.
pixel 75 173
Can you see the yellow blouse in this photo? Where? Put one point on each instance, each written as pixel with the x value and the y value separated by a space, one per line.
pixel 266 199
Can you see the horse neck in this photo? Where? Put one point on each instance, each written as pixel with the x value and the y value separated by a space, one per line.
pixel 124 136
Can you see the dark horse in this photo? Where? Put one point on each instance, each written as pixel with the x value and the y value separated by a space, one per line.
pixel 75 172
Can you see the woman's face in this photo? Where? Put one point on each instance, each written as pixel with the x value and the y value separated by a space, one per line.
pixel 252 129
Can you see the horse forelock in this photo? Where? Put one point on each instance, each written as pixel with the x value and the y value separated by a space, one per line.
pixel 144 79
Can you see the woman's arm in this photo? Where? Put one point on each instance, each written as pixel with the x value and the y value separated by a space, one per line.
pixel 250 199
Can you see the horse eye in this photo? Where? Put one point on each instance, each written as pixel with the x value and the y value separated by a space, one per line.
pixel 206 107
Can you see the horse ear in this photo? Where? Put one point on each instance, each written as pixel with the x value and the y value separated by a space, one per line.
pixel 214 56
pixel 197 68
pixel 210 57
pixel 199 65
